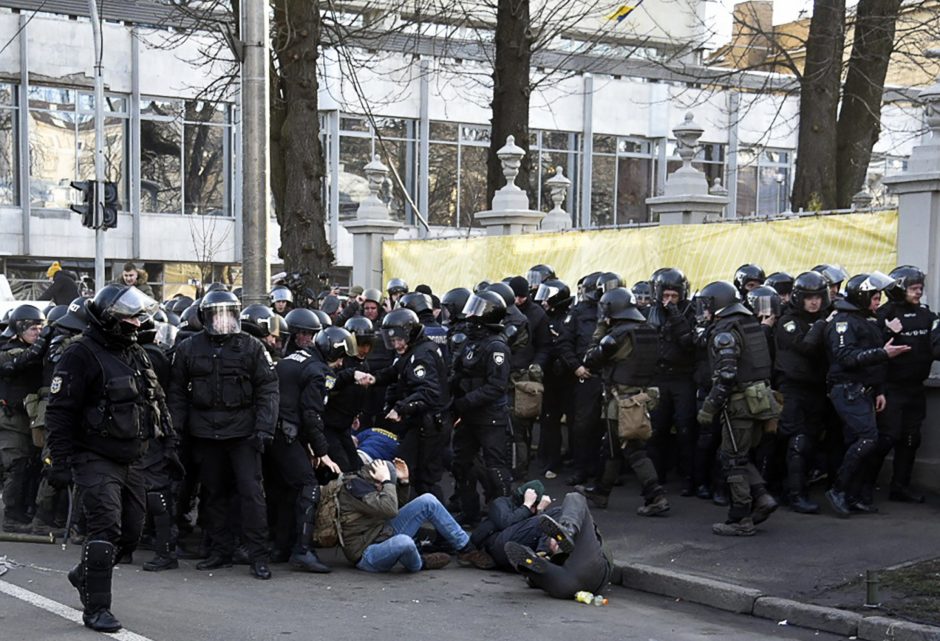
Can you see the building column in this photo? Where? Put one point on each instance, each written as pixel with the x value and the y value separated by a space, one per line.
pixel 23 104
pixel 587 128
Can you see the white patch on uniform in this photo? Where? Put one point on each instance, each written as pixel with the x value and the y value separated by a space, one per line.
pixel 790 326
pixel 936 322
pixel 268 357
pixel 329 382
pixel 842 327
pixel 420 371
pixel 56 385
pixel 499 358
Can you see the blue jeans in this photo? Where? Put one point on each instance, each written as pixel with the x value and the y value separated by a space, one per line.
pixel 401 548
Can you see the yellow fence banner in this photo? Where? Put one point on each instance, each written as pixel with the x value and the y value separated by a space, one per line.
pixel 859 242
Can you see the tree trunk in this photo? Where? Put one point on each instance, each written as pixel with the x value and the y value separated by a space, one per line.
pixel 297 165
pixel 860 116
pixel 815 184
pixel 510 92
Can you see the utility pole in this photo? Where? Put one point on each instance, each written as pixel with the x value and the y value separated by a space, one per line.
pixel 256 273
pixel 99 147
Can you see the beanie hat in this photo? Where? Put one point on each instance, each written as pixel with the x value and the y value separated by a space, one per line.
pixel 54 268
pixel 423 289
pixel 519 494
pixel 519 286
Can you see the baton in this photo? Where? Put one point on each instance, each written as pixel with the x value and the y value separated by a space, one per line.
pixel 734 444
pixel 14 537
pixel 69 518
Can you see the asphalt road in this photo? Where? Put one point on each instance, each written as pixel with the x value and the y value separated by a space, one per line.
pixel 452 604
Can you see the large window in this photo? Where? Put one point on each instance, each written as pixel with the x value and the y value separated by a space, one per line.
pixel 555 149
pixel 8 151
pixel 206 144
pixel 622 180
pixel 161 156
pixel 763 181
pixel 62 143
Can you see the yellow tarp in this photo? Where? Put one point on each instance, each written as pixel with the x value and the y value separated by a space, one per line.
pixel 707 252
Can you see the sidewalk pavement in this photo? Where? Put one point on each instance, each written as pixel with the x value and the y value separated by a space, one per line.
pixel 802 569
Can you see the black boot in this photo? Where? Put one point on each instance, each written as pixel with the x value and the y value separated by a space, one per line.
pixel 305 513
pixel 597 495
pixel 904 495
pixel 802 505
pixel 763 506
pixel 260 569
pixel 838 502
pixel 164 536
pixel 562 533
pixel 98 562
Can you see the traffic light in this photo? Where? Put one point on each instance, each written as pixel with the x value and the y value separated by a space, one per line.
pixel 109 216
pixel 87 208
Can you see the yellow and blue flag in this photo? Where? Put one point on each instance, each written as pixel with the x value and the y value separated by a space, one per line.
pixel 623 11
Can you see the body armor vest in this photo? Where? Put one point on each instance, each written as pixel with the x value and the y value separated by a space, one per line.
pixel 639 367
pixel 755 363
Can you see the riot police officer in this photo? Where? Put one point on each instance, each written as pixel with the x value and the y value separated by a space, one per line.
pixel 265 325
pixel 105 405
pixel 480 389
pixel 416 399
pixel 422 305
pixel 20 375
pixel 857 356
pixel 282 300
pixel 626 354
pixel 801 373
pixel 911 323
pixel 672 318
pixel 747 277
pixel 741 398
pixel 224 394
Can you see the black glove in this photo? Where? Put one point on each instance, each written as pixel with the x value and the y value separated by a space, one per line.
pixel 59 476
pixel 47 332
pixel 174 465
pixel 261 440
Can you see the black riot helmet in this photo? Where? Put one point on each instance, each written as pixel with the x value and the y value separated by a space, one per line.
pixel 671 279
pixel 505 292
pixel 619 304
pixel 720 298
pixel 809 283
pixel 334 343
pixel 396 286
pixel 587 288
pixel 833 274
pixel 56 313
pixel 325 319
pixel 217 287
pixel 114 304
pixel 416 302
pixel 554 294
pixel 748 273
pixel 782 283
pixel 147 334
pixel 361 327
pixel 25 316
pixel 454 301
pixel 485 308
pixel 218 312
pixel 172 318
pixel 608 281
pixel 303 320
pixel 861 288
pixel 179 304
pixel 260 321
pixel 905 276
pixel 643 293
pixel 538 274
pixel 401 323
pixel 481 286
pixel 764 301
pixel 189 319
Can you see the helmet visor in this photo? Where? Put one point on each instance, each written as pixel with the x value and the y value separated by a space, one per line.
pixel 344 346
pixel 534 278
pixel 166 334
pixel 546 292
pixel 133 303
pixel 877 281
pixel 221 320
pixel 391 334
pixel 704 308
pixel 476 306
pixel 765 305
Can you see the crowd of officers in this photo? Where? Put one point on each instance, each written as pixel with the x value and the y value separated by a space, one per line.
pixel 748 391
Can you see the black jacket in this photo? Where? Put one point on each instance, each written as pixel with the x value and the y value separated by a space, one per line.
pixel 801 349
pixel 481 378
pixel 540 340
pixel 855 345
pixel 919 329
pixel 63 289
pixel 223 389
pixel 304 385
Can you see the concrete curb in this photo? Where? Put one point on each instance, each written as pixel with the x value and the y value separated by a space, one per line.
pixel 741 600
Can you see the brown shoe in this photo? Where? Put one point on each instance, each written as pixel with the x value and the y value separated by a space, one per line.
pixel 435 560
pixel 659 505
pixel 744 527
pixel 477 558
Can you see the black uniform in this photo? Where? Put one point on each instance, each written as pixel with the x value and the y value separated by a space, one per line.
pixel 481 403
pixel 347 401
pixel 900 422
pixel 224 394
pixel 675 365
pixel 857 359
pixel 417 391
pixel 105 406
pixel 586 425
pixel 801 378
pixel 556 401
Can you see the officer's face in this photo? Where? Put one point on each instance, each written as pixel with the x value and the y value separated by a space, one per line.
pixel 400 345
pixel 130 278
pixel 812 304
pixel 914 293
pixel 30 334
pixel 303 339
pixel 751 284
pixel 370 310
pixel 280 306
pixel 670 297
pixel 875 301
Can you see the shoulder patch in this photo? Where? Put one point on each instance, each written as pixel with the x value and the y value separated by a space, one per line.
pixel 419 371
pixel 842 327
pixel 56 385
pixel 499 358
pixel 790 326
pixel 267 357
pixel 329 382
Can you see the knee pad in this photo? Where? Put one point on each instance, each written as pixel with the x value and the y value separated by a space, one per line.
pixel 157 503
pixel 865 446
pixel 799 445
pixel 99 555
